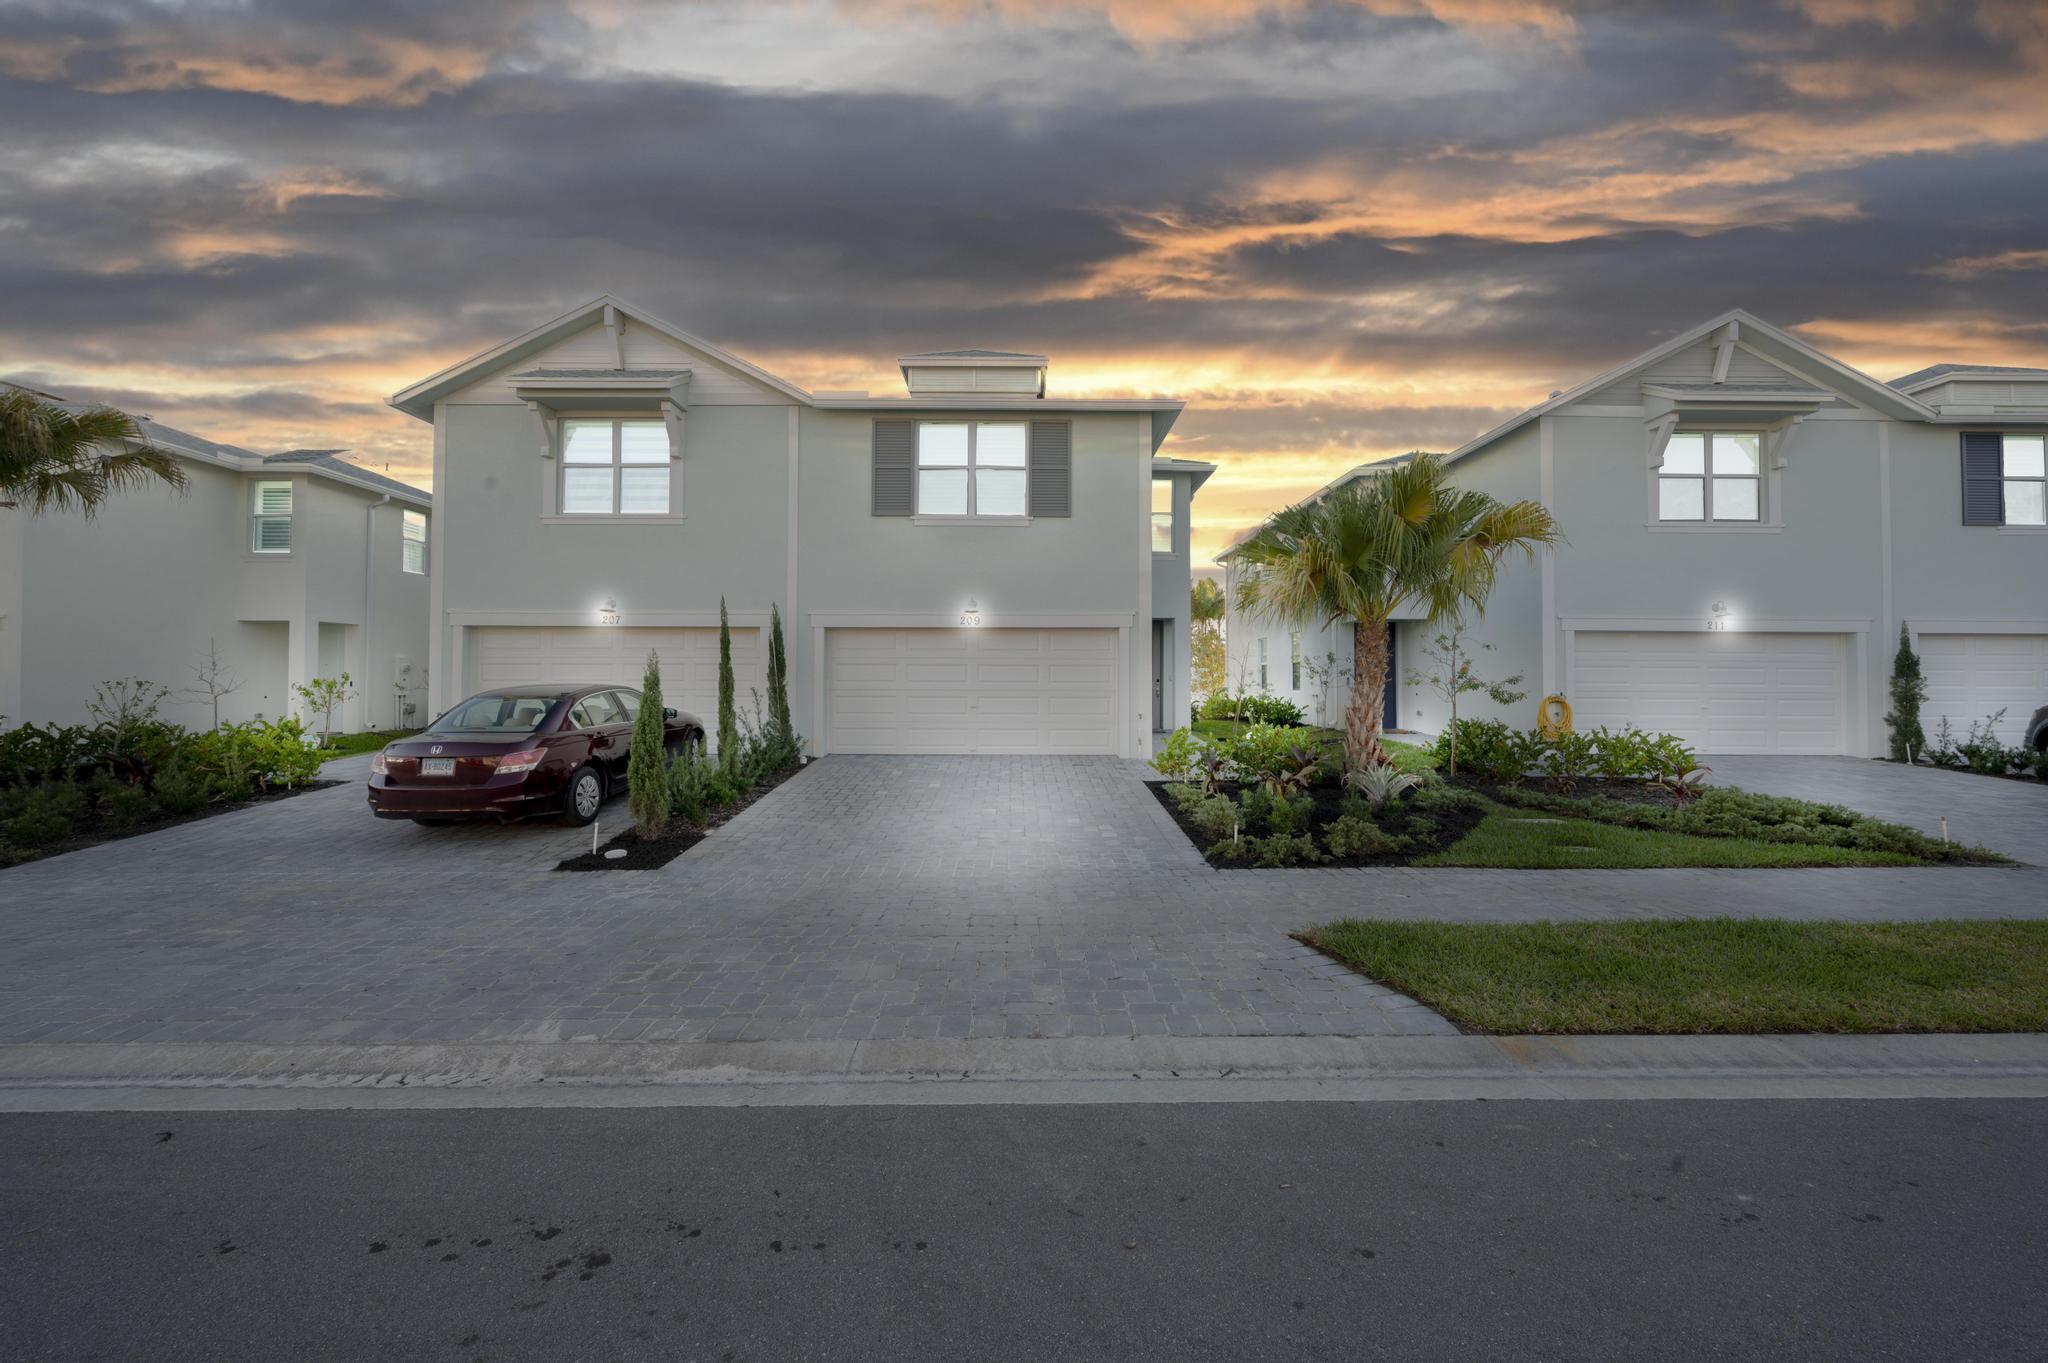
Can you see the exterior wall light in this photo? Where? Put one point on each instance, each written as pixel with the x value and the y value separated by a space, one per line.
pixel 971 617
pixel 608 613
pixel 1721 620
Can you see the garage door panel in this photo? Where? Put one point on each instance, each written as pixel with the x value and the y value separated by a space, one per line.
pixel 1973 676
pixel 971 691
pixel 1721 693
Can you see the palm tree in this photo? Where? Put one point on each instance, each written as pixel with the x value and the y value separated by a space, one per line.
pixel 1373 546
pixel 55 459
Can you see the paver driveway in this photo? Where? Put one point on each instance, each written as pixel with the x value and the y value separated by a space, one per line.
pixel 867 897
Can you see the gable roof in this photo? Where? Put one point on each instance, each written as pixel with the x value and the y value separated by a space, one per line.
pixel 1921 378
pixel 325 463
pixel 976 355
pixel 1849 380
pixel 419 399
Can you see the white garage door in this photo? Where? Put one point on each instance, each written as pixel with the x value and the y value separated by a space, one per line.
pixel 505 656
pixel 1721 693
pixel 971 690
pixel 1973 676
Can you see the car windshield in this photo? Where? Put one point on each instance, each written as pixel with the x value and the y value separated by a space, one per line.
pixel 495 715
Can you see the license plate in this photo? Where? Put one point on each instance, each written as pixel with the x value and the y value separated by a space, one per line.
pixel 437 766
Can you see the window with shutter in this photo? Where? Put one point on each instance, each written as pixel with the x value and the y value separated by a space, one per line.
pixel 413 535
pixel 1052 468
pixel 972 470
pixel 270 527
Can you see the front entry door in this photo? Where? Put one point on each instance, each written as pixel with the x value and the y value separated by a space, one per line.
pixel 1159 628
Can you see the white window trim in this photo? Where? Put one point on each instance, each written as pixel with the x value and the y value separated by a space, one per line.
pixel 406 516
pixel 256 518
pixel 920 516
pixel 2005 479
pixel 551 512
pixel 1767 520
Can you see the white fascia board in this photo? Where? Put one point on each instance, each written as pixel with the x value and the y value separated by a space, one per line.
pixel 1165 411
pixel 1977 376
pixel 253 463
pixel 418 400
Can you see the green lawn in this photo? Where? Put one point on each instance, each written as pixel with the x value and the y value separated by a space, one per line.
pixel 1406 756
pixel 1733 975
pixel 348 745
pixel 1527 839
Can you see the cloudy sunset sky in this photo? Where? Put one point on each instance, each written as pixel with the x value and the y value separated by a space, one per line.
pixel 1339 230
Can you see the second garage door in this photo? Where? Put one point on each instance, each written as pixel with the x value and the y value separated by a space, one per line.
pixel 1973 676
pixel 1721 693
pixel 971 690
pixel 508 656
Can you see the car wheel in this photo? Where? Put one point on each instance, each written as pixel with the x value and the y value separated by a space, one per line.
pixel 689 745
pixel 585 797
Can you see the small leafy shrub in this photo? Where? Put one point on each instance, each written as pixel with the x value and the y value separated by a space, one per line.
pixel 1620 754
pixel 1255 804
pixel 2037 762
pixel 121 804
pixel 1356 836
pixel 1422 830
pixel 43 752
pixel 1215 816
pixel 1184 796
pixel 1175 759
pixel 1983 753
pixel 1569 758
pixel 687 797
pixel 179 789
pixel 1263 753
pixel 1278 851
pixel 1941 748
pixel 45 814
pixel 1290 814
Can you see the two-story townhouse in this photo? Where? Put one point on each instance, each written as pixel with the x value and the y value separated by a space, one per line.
pixel 1749 523
pixel 973 566
pixel 280 568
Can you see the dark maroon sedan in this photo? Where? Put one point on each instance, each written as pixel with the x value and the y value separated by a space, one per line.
pixel 519 752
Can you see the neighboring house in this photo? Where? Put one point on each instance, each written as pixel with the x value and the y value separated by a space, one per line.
pixel 294 566
pixel 1749 523
pixel 966 568
pixel 1307 663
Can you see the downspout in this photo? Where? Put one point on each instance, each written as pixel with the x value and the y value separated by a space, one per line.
pixel 369 576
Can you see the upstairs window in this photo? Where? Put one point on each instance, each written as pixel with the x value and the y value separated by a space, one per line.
pixel 1162 515
pixel 615 468
pixel 270 523
pixel 972 468
pixel 413 536
pixel 1294 660
pixel 2024 475
pixel 1712 476
pixel 1264 684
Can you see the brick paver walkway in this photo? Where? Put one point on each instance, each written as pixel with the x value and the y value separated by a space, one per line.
pixel 867 897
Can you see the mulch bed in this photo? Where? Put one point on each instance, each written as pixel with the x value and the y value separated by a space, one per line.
pixel 1329 802
pixel 102 833
pixel 647 854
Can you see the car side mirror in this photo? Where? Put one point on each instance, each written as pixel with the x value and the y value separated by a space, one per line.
pixel 670 712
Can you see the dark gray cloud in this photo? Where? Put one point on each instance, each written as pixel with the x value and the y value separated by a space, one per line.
pixel 453 172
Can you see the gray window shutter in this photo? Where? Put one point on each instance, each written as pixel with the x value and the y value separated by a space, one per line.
pixel 1983 467
pixel 895 470
pixel 1052 468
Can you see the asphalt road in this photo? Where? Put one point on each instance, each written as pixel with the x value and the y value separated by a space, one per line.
pixel 1801 1230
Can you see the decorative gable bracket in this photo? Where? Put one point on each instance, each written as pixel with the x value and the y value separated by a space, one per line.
pixel 672 418
pixel 549 424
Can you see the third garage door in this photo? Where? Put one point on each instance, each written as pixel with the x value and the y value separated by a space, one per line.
pixel 1720 692
pixel 971 690
pixel 1971 677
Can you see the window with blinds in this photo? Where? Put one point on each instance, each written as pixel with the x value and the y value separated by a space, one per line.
pixel 413 535
pixel 615 468
pixel 270 525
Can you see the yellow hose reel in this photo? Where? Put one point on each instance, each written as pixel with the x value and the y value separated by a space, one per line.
pixel 1554 717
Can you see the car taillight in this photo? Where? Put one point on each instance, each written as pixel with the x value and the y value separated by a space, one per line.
pixel 378 766
pixel 522 761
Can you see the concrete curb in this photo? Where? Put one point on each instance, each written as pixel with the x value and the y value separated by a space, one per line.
pixel 78 1077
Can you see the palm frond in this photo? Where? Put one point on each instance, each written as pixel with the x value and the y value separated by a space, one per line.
pixel 55 459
